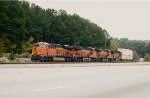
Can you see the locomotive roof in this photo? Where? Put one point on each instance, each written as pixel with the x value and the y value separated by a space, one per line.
pixel 57 45
pixel 107 50
pixel 90 48
pixel 115 51
pixel 97 49
pixel 67 47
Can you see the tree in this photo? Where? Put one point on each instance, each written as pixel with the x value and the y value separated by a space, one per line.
pixel 20 20
pixel 27 46
pixel 114 45
pixel 136 56
pixel 108 42
pixel 5 44
pixel 3 17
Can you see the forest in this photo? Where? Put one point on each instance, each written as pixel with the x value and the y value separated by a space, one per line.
pixel 21 21
pixel 22 24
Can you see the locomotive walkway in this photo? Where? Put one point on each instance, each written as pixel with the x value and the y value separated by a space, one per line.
pixel 77 82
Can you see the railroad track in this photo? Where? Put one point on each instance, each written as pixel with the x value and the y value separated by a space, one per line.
pixel 61 62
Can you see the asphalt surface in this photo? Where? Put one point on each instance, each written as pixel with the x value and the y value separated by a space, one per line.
pixel 129 81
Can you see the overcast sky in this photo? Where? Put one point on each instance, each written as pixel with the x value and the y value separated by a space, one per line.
pixel 130 19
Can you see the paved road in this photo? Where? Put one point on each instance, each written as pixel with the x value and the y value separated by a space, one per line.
pixel 76 82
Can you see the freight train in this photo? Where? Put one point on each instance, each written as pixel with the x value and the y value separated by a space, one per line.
pixel 45 52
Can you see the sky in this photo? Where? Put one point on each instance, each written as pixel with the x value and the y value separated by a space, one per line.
pixel 122 18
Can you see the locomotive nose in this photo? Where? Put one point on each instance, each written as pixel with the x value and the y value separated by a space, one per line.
pixel 34 51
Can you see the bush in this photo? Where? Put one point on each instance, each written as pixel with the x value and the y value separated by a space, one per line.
pixel 147 57
pixel 24 55
pixel 11 56
pixel 22 60
pixel 4 60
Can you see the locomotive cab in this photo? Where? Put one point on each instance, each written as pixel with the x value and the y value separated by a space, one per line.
pixel 39 50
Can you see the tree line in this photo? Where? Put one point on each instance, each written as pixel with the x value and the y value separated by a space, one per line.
pixel 142 47
pixel 22 23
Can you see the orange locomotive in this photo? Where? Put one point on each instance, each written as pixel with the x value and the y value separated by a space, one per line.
pixel 44 52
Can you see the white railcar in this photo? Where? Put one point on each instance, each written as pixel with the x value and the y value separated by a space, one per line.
pixel 127 54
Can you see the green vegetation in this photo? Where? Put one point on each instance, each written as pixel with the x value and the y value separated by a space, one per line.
pixel 114 45
pixel 20 21
pixel 147 57
pixel 11 56
pixel 142 47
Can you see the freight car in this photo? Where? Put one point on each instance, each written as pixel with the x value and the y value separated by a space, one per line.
pixel 45 52
pixel 127 54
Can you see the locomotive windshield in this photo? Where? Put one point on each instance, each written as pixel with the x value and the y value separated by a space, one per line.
pixel 41 44
pixel 36 45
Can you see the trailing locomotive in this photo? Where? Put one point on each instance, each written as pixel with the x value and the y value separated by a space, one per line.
pixel 44 52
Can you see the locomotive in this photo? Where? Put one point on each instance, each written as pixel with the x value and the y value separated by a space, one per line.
pixel 45 52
